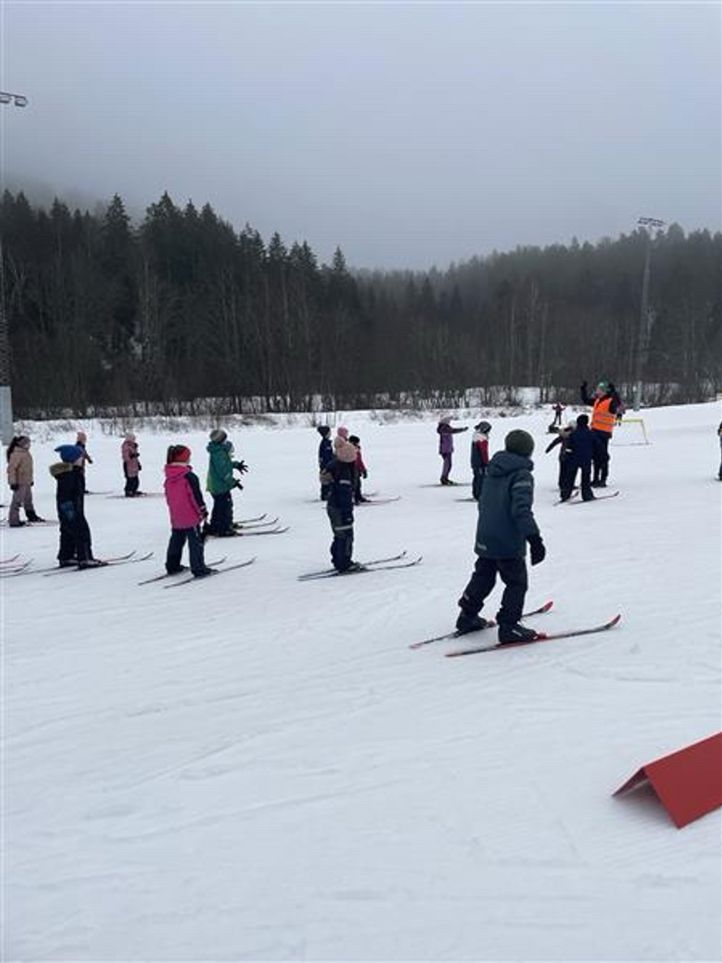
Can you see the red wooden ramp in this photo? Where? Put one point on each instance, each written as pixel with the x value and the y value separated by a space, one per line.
pixel 688 782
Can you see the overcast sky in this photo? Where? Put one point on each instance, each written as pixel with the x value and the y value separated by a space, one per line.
pixel 410 134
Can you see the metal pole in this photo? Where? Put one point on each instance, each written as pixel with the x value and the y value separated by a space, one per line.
pixel 643 335
pixel 6 398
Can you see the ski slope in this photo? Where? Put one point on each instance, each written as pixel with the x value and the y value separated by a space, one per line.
pixel 253 768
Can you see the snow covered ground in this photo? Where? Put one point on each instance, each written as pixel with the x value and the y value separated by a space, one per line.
pixel 252 768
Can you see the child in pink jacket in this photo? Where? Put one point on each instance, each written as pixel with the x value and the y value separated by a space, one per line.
pixel 187 510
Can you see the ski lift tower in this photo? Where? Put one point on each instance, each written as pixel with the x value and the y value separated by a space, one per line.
pixel 6 398
pixel 649 224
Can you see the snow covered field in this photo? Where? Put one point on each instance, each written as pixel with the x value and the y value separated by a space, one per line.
pixel 252 768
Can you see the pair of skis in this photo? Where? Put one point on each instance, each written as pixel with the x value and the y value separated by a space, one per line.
pixel 374 565
pixel 189 577
pixel 539 637
pixel 573 500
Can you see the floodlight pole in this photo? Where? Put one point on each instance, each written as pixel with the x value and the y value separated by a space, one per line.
pixel 6 397
pixel 645 321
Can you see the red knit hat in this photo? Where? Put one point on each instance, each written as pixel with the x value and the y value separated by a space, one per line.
pixel 181 454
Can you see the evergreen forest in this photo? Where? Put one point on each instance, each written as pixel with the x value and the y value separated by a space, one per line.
pixel 104 313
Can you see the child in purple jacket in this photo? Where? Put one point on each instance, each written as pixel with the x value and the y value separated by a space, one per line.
pixel 187 510
pixel 446 446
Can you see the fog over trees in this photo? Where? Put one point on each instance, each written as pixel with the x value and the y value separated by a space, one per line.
pixel 182 306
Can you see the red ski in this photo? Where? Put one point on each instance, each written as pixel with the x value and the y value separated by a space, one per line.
pixel 539 637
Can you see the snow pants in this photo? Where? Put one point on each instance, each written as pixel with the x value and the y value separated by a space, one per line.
pixel 568 475
pixel 178 538
pixel 512 572
pixel 446 468
pixel 477 483
pixel 22 498
pixel 131 484
pixel 221 522
pixel 342 527
pixel 600 457
pixel 75 541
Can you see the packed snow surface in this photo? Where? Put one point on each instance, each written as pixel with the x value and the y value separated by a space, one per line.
pixel 254 768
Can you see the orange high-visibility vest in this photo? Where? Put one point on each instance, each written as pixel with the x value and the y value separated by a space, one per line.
pixel 602 417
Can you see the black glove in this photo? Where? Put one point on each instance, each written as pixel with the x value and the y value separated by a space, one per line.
pixel 238 485
pixel 536 549
pixel 240 466
pixel 14 488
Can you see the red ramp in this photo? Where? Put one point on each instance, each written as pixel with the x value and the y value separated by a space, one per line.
pixel 688 782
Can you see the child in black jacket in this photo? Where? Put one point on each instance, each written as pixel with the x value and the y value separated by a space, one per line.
pixel 75 539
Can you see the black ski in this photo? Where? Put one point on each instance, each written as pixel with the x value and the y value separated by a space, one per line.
pixel 597 498
pixel 215 571
pixel 107 563
pixel 244 526
pixel 539 637
pixel 8 571
pixel 258 518
pixel 245 534
pixel 448 636
pixel 332 571
pixel 377 567
pixel 377 501
pixel 159 578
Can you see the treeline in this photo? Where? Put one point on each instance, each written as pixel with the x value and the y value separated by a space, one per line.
pixel 182 306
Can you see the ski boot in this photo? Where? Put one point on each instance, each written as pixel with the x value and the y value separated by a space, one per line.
pixel 467 622
pixel 515 633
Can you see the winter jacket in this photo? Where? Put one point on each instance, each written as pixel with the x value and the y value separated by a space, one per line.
pixel 183 496
pixel 342 476
pixel 325 453
pixel 131 465
pixel 220 478
pixel 581 445
pixel 446 437
pixel 20 467
pixel 70 493
pixel 506 519
pixel 562 439
pixel 360 467
pixel 479 451
pixel 604 408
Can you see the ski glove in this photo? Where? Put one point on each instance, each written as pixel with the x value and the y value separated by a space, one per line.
pixel 240 466
pixel 238 485
pixel 536 549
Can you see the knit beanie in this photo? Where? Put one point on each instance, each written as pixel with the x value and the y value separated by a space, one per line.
pixel 218 434
pixel 323 430
pixel 520 442
pixel 69 453
pixel 181 455
pixel 342 432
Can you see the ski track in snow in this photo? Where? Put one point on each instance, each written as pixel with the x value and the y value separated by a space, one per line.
pixel 259 768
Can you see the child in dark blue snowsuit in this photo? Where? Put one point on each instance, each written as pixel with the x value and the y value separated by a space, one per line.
pixel 581 446
pixel 325 457
pixel 341 475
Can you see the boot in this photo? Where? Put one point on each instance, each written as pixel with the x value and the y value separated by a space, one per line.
pixel 91 563
pixel 467 622
pixel 515 633
pixel 32 517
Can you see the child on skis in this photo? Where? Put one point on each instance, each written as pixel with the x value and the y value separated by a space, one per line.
pixel 558 409
pixel 446 446
pixel 325 456
pixel 581 445
pixel 565 454
pixel 360 470
pixel 506 522
pixel 220 483
pixel 187 510
pixel 340 475
pixel 131 465
pixel 20 479
pixel 479 456
pixel 75 540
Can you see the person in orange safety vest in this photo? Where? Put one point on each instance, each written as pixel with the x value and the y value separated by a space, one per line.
pixel 605 404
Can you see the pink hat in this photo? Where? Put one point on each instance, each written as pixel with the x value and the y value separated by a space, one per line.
pixel 342 432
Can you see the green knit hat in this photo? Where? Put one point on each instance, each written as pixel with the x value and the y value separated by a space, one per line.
pixel 520 442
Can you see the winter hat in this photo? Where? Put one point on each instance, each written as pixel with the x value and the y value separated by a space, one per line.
pixel 129 436
pixel 344 450
pixel 354 439
pixel 81 439
pixel 181 454
pixel 582 420
pixel 520 442
pixel 445 420
pixel 342 432
pixel 602 385
pixel 69 453
pixel 323 430
pixel 484 427
pixel 218 434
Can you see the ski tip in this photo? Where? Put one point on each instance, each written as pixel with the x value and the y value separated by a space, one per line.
pixel 615 621
pixel 547 606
